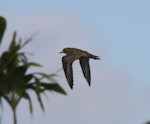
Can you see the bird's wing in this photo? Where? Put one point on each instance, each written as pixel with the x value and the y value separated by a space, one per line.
pixel 67 66
pixel 84 62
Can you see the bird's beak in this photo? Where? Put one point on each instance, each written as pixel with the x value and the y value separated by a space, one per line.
pixel 61 52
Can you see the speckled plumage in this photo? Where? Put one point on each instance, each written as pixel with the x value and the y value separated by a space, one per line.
pixel 73 54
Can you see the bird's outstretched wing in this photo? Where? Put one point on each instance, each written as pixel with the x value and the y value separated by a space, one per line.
pixel 67 66
pixel 84 62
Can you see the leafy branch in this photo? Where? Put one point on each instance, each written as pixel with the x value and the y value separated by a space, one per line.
pixel 15 82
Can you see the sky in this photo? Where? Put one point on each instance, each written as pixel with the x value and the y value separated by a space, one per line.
pixel 117 31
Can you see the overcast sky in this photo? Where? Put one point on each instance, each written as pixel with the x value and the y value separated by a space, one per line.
pixel 117 31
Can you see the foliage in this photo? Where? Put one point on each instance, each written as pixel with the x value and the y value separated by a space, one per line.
pixel 15 82
pixel 2 27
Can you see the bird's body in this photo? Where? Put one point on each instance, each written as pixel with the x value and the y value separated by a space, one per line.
pixel 72 55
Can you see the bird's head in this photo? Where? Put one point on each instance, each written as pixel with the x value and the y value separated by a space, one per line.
pixel 67 50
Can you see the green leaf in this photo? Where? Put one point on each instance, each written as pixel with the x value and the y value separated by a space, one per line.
pixel 31 86
pixel 13 42
pixel 37 90
pixel 54 87
pixel 23 58
pixel 1 103
pixel 28 78
pixel 47 76
pixel 4 59
pixel 21 70
pixel 40 101
pixel 26 96
pixel 33 64
pixel 2 27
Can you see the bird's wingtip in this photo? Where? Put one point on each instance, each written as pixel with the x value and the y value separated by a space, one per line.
pixel 71 87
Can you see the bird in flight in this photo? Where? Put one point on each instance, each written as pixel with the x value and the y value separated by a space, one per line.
pixel 73 54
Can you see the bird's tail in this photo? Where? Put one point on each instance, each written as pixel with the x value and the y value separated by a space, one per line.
pixel 96 57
